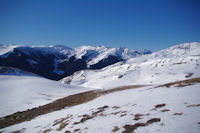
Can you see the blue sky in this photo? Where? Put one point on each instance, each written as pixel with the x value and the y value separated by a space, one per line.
pixel 136 24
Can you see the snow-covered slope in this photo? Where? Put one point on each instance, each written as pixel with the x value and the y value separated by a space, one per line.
pixel 18 93
pixel 144 110
pixel 175 63
pixel 179 51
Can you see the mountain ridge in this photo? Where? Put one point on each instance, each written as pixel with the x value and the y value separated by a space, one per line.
pixel 58 61
pixel 177 63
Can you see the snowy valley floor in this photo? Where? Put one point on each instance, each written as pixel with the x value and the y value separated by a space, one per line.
pixel 168 108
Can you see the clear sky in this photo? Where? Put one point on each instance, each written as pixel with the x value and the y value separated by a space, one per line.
pixel 136 24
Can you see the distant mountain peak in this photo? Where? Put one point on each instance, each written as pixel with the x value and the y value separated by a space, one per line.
pixel 58 61
pixel 180 50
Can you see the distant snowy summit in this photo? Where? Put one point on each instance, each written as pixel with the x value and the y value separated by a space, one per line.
pixel 181 50
pixel 58 61
pixel 176 63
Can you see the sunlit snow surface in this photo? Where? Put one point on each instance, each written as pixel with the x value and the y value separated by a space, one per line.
pixel 130 102
pixel 18 93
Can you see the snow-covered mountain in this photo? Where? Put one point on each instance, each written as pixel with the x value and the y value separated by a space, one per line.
pixel 151 93
pixel 57 61
pixel 99 53
pixel 175 63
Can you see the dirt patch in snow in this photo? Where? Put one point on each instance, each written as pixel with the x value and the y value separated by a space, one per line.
pixel 165 110
pixel 178 113
pixel 47 130
pixel 115 107
pixel 59 121
pixel 76 130
pixel 193 105
pixel 160 105
pixel 188 75
pixel 138 116
pixel 131 128
pixel 86 117
pixel 99 110
pixel 115 129
pixel 62 125
pixel 19 131
pixel 181 83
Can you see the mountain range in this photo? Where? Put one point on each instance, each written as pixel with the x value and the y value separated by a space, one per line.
pixel 140 92
pixel 176 63
pixel 58 61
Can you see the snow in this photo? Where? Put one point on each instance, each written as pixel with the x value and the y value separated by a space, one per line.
pixel 63 49
pixel 175 63
pixel 19 93
pixel 181 50
pixel 134 101
pixel 5 50
pixel 94 54
pixel 99 53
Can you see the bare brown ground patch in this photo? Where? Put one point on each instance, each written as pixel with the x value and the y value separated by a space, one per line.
pixel 139 116
pixel 165 110
pixel 178 113
pixel 86 117
pixel 115 129
pixel 181 83
pixel 188 75
pixel 62 125
pixel 99 110
pixel 76 130
pixel 59 121
pixel 47 130
pixel 115 107
pixel 160 105
pixel 19 131
pixel 193 105
pixel 131 128
pixel 115 113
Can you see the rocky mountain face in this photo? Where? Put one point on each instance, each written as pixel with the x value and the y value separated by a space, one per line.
pixel 56 62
